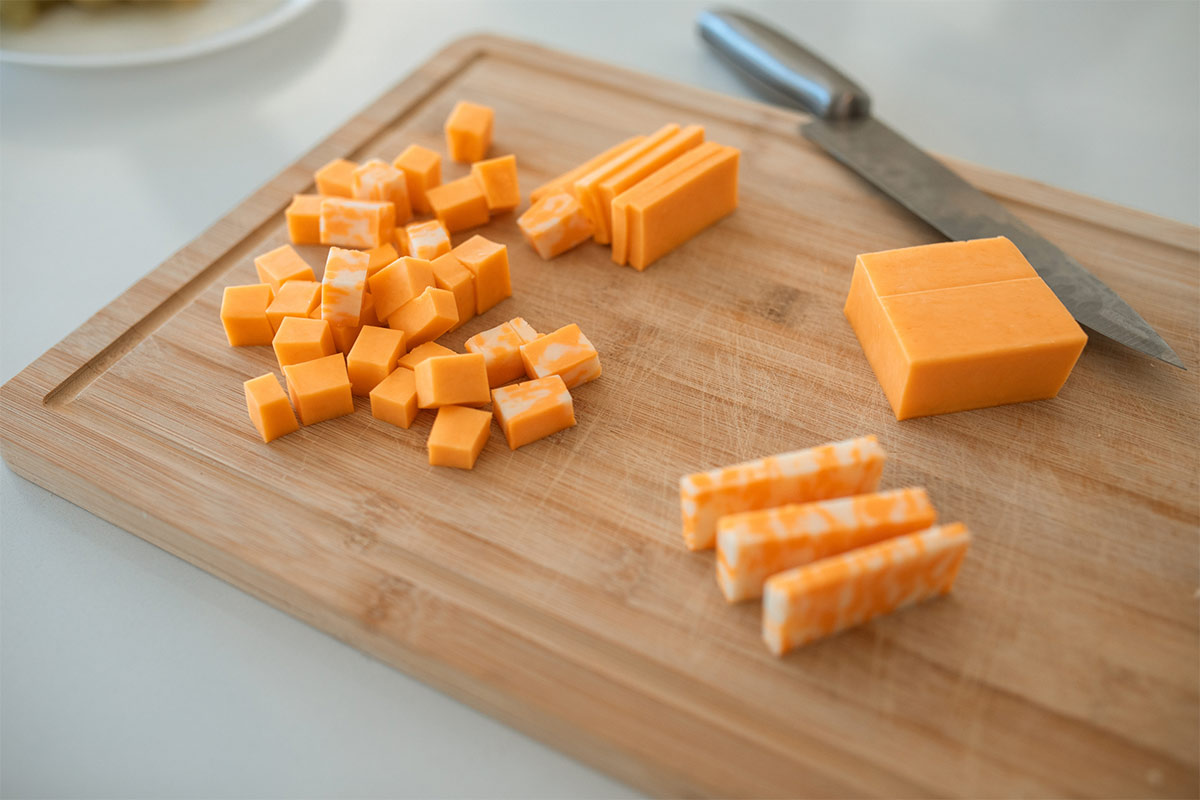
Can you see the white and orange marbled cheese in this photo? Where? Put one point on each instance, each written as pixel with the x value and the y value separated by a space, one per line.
pixel 819 473
pixel 501 349
pixel 361 224
pixel 533 410
pixel 566 353
pixel 754 545
pixel 343 285
pixel 379 180
pixel 555 224
pixel 836 593
pixel 426 240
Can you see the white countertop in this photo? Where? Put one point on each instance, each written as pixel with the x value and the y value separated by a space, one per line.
pixel 127 672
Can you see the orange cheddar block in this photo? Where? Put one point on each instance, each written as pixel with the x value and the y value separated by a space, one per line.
pixel 304 219
pixel 336 179
pixel 373 357
pixel 586 189
pixel 360 224
pixel 566 181
pixel 320 389
pixel 487 262
pixel 269 408
pixel 754 545
pixel 451 275
pixel 421 352
pixel 281 265
pixel 960 325
pixel 394 399
pixel 422 170
pixel 501 350
pixel 533 410
pixel 398 283
pixel 343 286
pixel 469 132
pixel 244 314
pixel 841 591
pixel 458 436
pixel 555 224
pixel 426 317
pixel 379 180
pixel 819 473
pixel 294 299
pixel 380 257
pixel 426 240
pixel 299 340
pixel 459 204
pixel 368 315
pixel 457 380
pixel 566 353
pixel 497 177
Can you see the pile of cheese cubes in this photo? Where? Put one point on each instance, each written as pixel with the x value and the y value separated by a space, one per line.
pixel 645 197
pixel 808 532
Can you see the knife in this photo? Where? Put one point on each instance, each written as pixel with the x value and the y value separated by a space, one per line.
pixel 842 124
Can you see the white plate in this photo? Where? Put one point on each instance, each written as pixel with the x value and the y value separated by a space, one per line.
pixel 130 34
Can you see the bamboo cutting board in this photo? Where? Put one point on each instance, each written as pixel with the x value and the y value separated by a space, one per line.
pixel 550 587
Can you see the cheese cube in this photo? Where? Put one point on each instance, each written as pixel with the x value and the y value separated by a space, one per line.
pixel 360 224
pixel 497 177
pixel 379 180
pixel 533 410
pixel 425 317
pixel 555 224
pixel 501 350
pixel 398 283
pixel 380 257
pixel 566 353
pixel 469 132
pixel 841 591
pixel 304 219
pixel 294 299
pixel 451 275
pixel 421 352
pixel 320 389
pixel 487 261
pixel 281 265
pixel 458 436
pixel 394 399
pixel 457 380
pixel 336 179
pixel 373 357
pixel 422 170
pixel 344 336
pixel 299 340
pixel 426 240
pixel 459 204
pixel 269 409
pixel 343 285
pixel 754 545
pixel 244 314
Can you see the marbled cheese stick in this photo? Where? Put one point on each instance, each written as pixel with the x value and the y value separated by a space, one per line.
pixel 343 285
pixel 836 593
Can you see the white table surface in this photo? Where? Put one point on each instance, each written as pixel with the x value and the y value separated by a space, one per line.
pixel 127 672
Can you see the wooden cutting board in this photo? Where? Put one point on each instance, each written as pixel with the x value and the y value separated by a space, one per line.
pixel 550 587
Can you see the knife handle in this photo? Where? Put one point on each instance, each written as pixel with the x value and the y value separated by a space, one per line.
pixel 801 78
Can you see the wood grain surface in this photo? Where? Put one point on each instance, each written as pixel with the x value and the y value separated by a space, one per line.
pixel 550 586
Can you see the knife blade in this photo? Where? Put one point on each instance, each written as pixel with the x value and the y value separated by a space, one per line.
pixel 843 126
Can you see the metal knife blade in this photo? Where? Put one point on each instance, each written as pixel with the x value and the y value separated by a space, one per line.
pixel 844 128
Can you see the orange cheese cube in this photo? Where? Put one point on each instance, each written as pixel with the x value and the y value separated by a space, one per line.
pixel 841 591
pixel 960 325
pixel 394 399
pixel 380 257
pixel 459 204
pixel 497 177
pixel 373 357
pixel 398 283
pixel 299 340
pixel 294 299
pixel 636 170
pixel 421 352
pixel 586 189
pixel 555 224
pixel 379 180
pixel 457 380
pixel 422 170
pixel 320 389
pixel 566 353
pixel 269 408
pixel 533 410
pixel 304 219
pixel 469 132
pixel 501 350
pixel 343 285
pixel 281 265
pixel 566 181
pixel 754 545
pixel 336 179
pixel 368 315
pixel 360 224
pixel 487 261
pixel 458 436
pixel 425 317
pixel 451 275
pixel 802 476
pixel 426 240
pixel 244 314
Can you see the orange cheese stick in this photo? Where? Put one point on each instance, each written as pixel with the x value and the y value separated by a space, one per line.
pixel 836 593
pixel 533 410
pixel 566 181
pixel 586 186
pixel 361 224
pixel 555 224
pixel 343 285
pixel 754 545
pixel 802 476
pixel 379 180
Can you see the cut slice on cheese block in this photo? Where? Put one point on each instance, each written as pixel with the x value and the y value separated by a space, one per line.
pixel 555 224
pixel 566 353
pixel 566 181
pixel 458 436
pixel 819 473
pixel 533 410
pixel 501 350
pixel 835 593
pixel 304 219
pixel 269 408
pixel 343 285
pixel 281 265
pixel 586 188
pixel 754 545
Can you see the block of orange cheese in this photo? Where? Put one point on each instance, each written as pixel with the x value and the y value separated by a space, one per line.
pixel 422 170
pixel 501 350
pixel 566 353
pixel 421 352
pixel 459 204
pixel 451 275
pixel 281 265
pixel 304 219
pixel 960 325
pixel 426 317
pixel 269 408
pixel 754 545
pixel 802 476
pixel 320 389
pixel 343 285
pixel 457 380
pixel 841 591
pixel 566 181
pixel 345 335
pixel 294 299
pixel 373 357
pixel 487 261
pixel 336 179
pixel 497 177
pixel 380 257
pixel 360 224
pixel 533 410
pixel 426 240
pixel 586 187
pixel 469 132
pixel 244 314
pixel 555 224
pixel 458 436
pixel 394 399
pixel 299 339
pixel 398 283
pixel 379 180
